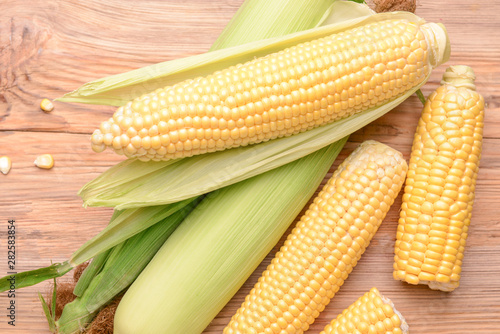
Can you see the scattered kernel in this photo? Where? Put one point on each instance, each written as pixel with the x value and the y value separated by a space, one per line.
pixel 45 161
pixel 5 164
pixel 46 105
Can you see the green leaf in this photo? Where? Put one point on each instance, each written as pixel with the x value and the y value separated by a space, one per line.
pixel 32 277
pixel 127 223
pixel 421 96
pixel 54 299
pixel 90 272
pixel 119 89
pixel 46 311
pixel 122 266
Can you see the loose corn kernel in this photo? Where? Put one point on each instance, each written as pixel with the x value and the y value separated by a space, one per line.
pixel 45 161
pixel 5 164
pixel 432 254
pixel 320 252
pixel 321 81
pixel 46 105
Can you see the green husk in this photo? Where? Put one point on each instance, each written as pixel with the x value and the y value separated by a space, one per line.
pixel 118 89
pixel 123 225
pixel 32 277
pixel 122 265
pixel 92 269
pixel 261 19
pixel 49 314
pixel 217 247
pixel 126 223
pixel 421 96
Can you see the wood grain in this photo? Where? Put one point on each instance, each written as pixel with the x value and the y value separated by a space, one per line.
pixel 50 47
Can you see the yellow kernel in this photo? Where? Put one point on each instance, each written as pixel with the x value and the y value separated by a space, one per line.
pixel 46 105
pixel 5 164
pixel 45 161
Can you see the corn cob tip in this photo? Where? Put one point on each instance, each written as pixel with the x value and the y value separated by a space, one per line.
pixel 371 313
pixel 459 76
pixel 437 36
pixel 405 328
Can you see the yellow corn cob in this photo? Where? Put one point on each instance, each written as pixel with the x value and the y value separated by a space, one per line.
pixel 325 245
pixel 439 191
pixel 281 94
pixel 372 313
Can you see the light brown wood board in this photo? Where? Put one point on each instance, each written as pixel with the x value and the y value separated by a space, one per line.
pixel 48 48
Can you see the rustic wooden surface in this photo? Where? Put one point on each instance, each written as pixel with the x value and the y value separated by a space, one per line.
pixel 50 47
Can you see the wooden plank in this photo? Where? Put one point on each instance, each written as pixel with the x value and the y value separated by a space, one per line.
pixel 51 47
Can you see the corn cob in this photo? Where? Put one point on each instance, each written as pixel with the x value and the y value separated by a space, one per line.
pixel 284 93
pixel 326 244
pixel 439 191
pixel 371 313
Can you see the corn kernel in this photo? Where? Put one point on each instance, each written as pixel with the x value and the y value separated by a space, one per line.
pixel 46 105
pixel 45 161
pixel 5 164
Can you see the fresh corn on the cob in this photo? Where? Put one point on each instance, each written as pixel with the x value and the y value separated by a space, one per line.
pixel 284 93
pixel 439 191
pixel 325 245
pixel 372 313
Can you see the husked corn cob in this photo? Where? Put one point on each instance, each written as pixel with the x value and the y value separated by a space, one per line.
pixel 372 313
pixel 439 191
pixel 325 245
pixel 281 94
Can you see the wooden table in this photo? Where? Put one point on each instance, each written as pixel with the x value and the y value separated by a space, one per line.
pixel 50 47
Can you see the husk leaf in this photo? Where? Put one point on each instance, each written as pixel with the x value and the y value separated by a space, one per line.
pixel 211 254
pixel 119 89
pixel 122 266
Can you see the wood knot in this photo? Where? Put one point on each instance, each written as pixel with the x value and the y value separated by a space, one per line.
pixel 21 41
